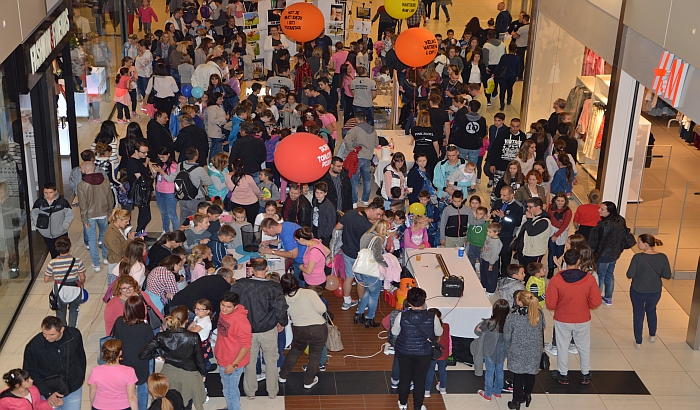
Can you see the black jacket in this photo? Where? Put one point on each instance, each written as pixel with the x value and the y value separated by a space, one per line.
pixel 469 130
pixel 417 182
pixel 156 254
pixel 467 71
pixel 345 190
pixel 65 356
pixel 265 303
pixel 181 348
pixel 193 136
pixel 158 136
pixel 251 150
pixel 327 218
pixel 299 211
pixel 512 219
pixel 504 148
pixel 211 287
pixel 133 339
pixel 607 239
pixel 175 400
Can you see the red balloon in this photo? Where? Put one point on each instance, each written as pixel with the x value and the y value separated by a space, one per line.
pixel 416 47
pixel 303 157
pixel 302 22
pixel 338 292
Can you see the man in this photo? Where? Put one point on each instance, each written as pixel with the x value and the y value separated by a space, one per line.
pixel 219 16
pixel 534 233
pixel 274 84
pixel 559 107
pixel 571 294
pixel 324 87
pixel 474 131
pixel 230 30
pixel 203 72
pixel 354 224
pixel 52 216
pixel 172 5
pixel 96 203
pixel 177 21
pixel 494 130
pixel 362 136
pixel 515 24
pixel 507 212
pixel 57 351
pixel 439 120
pixel 419 16
pixel 292 249
pixel 210 287
pixel 492 52
pixel 339 185
pixel 503 20
pixel 442 171
pixel 521 36
pixel 477 94
pixel 250 149
pixel 504 148
pixel 326 44
pixel 191 136
pixel 267 313
pixel 82 25
pixel 297 207
pixel 200 179
pixel 315 97
pixel 364 91
pixel 158 135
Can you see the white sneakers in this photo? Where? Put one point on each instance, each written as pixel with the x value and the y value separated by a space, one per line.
pixel 313 383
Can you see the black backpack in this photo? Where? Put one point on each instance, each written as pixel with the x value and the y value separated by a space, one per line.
pixel 184 188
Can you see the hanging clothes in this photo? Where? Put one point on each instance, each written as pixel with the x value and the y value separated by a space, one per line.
pixel 584 118
pixel 593 64
pixel 595 124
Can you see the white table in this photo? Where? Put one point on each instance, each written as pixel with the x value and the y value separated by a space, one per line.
pixel 462 314
pixel 275 264
pixel 402 144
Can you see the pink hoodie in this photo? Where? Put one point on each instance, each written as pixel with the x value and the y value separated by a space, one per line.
pixel 408 238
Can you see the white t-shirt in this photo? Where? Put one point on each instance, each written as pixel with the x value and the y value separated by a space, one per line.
pixel 258 221
pixel 205 323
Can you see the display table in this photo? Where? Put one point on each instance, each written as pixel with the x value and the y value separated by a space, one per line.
pixel 462 314
pixel 402 144
pixel 275 263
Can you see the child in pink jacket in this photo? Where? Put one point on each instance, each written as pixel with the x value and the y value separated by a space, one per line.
pixel 147 15
pixel 416 236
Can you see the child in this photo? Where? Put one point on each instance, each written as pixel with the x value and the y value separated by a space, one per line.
pixel 186 70
pixel 396 197
pixel 536 283
pixel 214 212
pixel 382 73
pixel 184 272
pixel 490 253
pixel 239 221
pixel 476 236
pixel 218 169
pixel 253 97
pixel 491 330
pixel 123 193
pixel 464 177
pixel 454 222
pixel 398 227
pixel 269 211
pixel 269 190
pixel 482 152
pixel 291 118
pixel 198 233
pixel 416 236
pixel 128 62
pixel 202 324
pixel 196 261
pixel 514 281
pixel 188 222
pixel 219 244
pixel 474 203
pixel 271 147
pixel 121 95
pixel 446 342
pixel 56 273
pixel 146 16
pixel 431 211
pixel 228 262
pixel 397 205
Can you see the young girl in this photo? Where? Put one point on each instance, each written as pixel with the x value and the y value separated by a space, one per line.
pixel 147 15
pixel 474 203
pixel 165 189
pixel 128 62
pixel 196 261
pixel 382 73
pixel 270 212
pixel 446 342
pixel 123 193
pixel 563 180
pixel 202 324
pixel 491 330
pixel 416 236
pixel 198 233
pixel 121 95
pixel 291 118
pixel 218 169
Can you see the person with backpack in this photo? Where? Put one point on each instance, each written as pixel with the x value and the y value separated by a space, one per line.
pixel 190 183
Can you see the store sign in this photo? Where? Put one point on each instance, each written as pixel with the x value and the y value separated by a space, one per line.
pixel 670 78
pixel 44 46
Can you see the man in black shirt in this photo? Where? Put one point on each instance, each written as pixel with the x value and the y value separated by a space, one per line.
pixel 324 87
pixel 191 136
pixel 559 106
pixel 250 149
pixel 158 135
pixel 315 97
pixel 440 121
pixel 507 212
pixel 326 44
pixel 211 287
pixel 137 167
pixel 339 185
pixel 297 207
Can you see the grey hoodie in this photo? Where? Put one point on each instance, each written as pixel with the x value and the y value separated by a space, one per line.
pixel 507 286
pixel 493 50
pixel 365 136
pixel 60 216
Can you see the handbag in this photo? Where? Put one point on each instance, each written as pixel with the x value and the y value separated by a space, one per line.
pixel 333 342
pixel 141 191
pixel 53 296
pixel 152 316
pixel 103 340
pixel 151 99
pixel 58 383
pixel 434 344
pixel 365 263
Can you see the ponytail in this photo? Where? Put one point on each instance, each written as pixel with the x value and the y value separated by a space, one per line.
pixel 533 305
pixel 118 213
pixel 158 386
pixel 566 163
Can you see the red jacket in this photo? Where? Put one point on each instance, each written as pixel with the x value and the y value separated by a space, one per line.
pixel 572 294
pixel 8 401
pixel 234 333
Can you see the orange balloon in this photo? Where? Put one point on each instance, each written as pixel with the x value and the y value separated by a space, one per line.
pixel 302 22
pixel 303 157
pixel 332 282
pixel 416 47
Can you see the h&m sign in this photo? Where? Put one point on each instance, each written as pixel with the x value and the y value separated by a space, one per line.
pixel 670 78
pixel 45 45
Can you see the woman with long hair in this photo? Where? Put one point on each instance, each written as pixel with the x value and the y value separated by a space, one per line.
pixel 541 167
pixel 394 176
pixel 127 145
pixel 558 149
pixel 123 289
pixel 163 279
pixel 164 247
pixel 526 156
pixel 374 241
pixel 165 188
pixel 244 191
pixel 131 263
pixel 513 177
pixel 201 52
pixel 523 334
pixel 607 240
pixel 113 385
pixel 347 74
pixel 563 179
pixel 419 178
pixel 560 218
pixel 494 348
pixel 315 256
pixel 116 239
pixel 164 398
pixel 21 393
pixel 108 135
pixel 474 71
pixel 474 26
pixel 166 88
pixel 646 271
pixel 542 141
pixel 531 189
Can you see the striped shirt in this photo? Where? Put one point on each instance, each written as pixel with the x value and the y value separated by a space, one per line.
pixel 57 269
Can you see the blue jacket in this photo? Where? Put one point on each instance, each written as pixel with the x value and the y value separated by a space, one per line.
pixel 415 326
pixel 559 182
pixel 218 251
pixel 235 127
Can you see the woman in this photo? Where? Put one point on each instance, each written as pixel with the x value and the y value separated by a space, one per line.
pixel 475 70
pixel 244 191
pixel 164 398
pixel 134 333
pixel 306 309
pixel 164 247
pixel 131 263
pixel 215 118
pixel 374 241
pixel 182 352
pixel 176 59
pixel 541 167
pixel 512 177
pixel 646 271
pixel 531 189
pixel 318 64
pixel 21 393
pixel 117 239
pixel 201 53
pixel 560 217
pixel 394 176
pixel 559 148
pixel 314 257
pixel 526 156
pixel 124 288
pixel 113 385
pixel 329 122
pixel 586 215
pixel 414 326
pixel 474 26
pixel 419 178
pixel 508 68
pixel 274 42
pixel 162 280
pixel 523 333
pixel 424 141
pixel 165 87
pixel 607 240
pixel 127 145
pixel 347 74
pixel 164 47
pixel 542 141
pixel 165 189
pixel 108 135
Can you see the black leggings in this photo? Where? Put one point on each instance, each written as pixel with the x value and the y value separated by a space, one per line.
pixel 413 369
pixel 522 385
pixel 144 218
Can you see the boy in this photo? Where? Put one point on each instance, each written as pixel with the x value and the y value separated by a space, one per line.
pixel 431 211
pixel 232 349
pixel 514 281
pixel 476 236
pixel 56 272
pixel 494 130
pixel 214 213
pixel 464 177
pixel 454 222
pixel 253 97
pixel 536 283
pixel 202 208
pixel 52 215
pixel 269 190
pixel 490 253
pixel 239 221
pixel 218 244
pixel 396 196
pixel 398 227
pixel 397 206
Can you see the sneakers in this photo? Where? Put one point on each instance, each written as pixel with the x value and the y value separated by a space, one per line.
pixel 403 406
pixel 586 379
pixel 313 383
pixel 498 396
pixel 281 380
pixel 87 247
pixel 564 380
pixel 362 203
pixel 488 103
pixel 123 121
pixel 652 339
pixel 490 184
pixel 607 301
pixel 133 114
pixel 96 268
pixel 489 294
pixel 482 394
pixel 427 393
pixel 550 348
pixel 321 368
pixel 260 377
pixel 638 346
pixel 443 390
pixel 105 261
pixel 573 349
pixel 507 386
pixel 347 306
pixel 394 384
pixel 478 181
pixel 206 401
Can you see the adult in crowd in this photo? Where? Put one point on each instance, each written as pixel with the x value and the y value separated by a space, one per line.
pixel 526 156
pixel 273 85
pixel 97 201
pixel 163 280
pixel 124 288
pixel 559 149
pixel 418 178
pixel 131 263
pixel 112 384
pixel 364 91
pixel 587 216
pixel 374 241
pixel 513 177
pixel 20 390
pixel 158 135
pixel 646 271
pixel 56 360
pixel 215 118
pixel 244 190
pixel 523 334
pixel 607 240
pixel 52 216
pixel 164 398
pixel 394 176
pixel 284 232
pixel 521 36
pixel 354 224
pixel 324 216
pixel 267 313
pixel 164 247
pixel 204 71
pixel 306 309
pixel 297 207
pixel 509 213
pixel 250 150
pixel 425 142
pixel 572 293
pixel 134 334
pixel 339 185
pixel 469 128
pixel 534 233
pixel 116 238
pixel 508 68
pixel 493 50
pixel 315 256
pixel 200 180
pixel 443 170
pixel 165 87
pixel 166 167
pixel 415 327
pixel 274 43
pixel 503 20
pixel 560 218
pixel 439 120
pixel 314 97
pixel 140 167
pixel 67 270
pixel 531 189
pixel 127 145
pixel 364 137
pixel 192 136
pixel 210 287
pixel 475 70
pixel 559 106
pixel 543 141
pixel 386 22
pixel 182 352
pixel 504 148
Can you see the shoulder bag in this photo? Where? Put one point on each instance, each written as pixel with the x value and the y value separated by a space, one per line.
pixel 151 315
pixel 434 344
pixel 151 99
pixel 58 383
pixel 54 295
pixel 333 342
pixel 365 263
pixel 103 340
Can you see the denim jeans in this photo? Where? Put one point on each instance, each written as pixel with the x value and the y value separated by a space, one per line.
pixel 142 395
pixel 554 251
pixel 442 374
pixel 644 303
pixel 605 278
pixel 474 254
pixel 373 287
pixel 369 112
pixel 493 377
pixel 437 11
pixel 65 308
pixel 395 374
pixel 72 401
pixel 296 266
pixel 141 84
pixel 167 205
pixel 94 224
pixel 215 147
pixel 232 393
pixel 364 169
pixel 471 155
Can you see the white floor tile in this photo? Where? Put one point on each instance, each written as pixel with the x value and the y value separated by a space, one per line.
pixel 666 401
pixel 628 402
pixel 660 360
pixel 576 402
pixel 609 359
pixel 669 383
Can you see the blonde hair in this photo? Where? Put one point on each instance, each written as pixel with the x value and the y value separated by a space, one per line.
pixel 380 227
pixel 158 386
pixel 423 119
pixel 220 161
pixel 197 253
pixel 188 110
pixel 419 219
pixel 533 305
pixel 118 213
pixel 198 218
